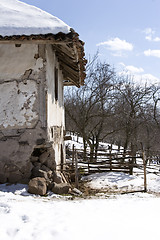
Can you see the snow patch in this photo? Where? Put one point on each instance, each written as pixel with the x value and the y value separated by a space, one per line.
pixel 31 218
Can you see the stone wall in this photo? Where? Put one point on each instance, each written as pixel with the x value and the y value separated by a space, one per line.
pixel 22 101
pixel 30 118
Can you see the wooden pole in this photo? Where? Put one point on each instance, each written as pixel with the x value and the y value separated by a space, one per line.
pixel 76 171
pixel 131 166
pixel 73 156
pixel 88 168
pixel 88 159
pixel 144 168
pixel 110 159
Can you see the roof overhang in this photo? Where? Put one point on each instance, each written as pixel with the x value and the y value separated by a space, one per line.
pixel 69 50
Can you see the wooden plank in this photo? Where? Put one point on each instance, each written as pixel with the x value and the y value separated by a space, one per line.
pixel 144 169
pixel 65 49
pixel 73 156
pixel 66 138
pixel 108 162
pixel 76 171
pixel 100 171
pixel 33 41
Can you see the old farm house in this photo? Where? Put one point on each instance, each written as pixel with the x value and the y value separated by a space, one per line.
pixel 39 55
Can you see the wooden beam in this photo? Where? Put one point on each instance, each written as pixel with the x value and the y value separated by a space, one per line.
pixel 68 75
pixel 65 49
pixel 68 62
pixel 33 41
pixel 69 70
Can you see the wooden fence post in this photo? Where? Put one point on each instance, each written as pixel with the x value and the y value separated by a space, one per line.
pixel 88 160
pixel 131 166
pixel 73 156
pixel 88 168
pixel 144 168
pixel 110 158
pixel 76 171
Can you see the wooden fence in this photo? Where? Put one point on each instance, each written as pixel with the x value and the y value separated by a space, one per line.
pixel 106 162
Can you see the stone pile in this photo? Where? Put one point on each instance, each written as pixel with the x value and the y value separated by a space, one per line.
pixel 44 176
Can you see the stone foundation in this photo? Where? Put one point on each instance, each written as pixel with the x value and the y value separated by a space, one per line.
pixel 16 149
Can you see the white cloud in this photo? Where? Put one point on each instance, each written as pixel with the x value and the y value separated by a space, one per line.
pixel 148 31
pixel 149 38
pixel 150 77
pixel 133 69
pixel 142 79
pixel 150 35
pixel 138 75
pixel 153 53
pixel 118 54
pixel 146 78
pixel 156 39
pixel 117 44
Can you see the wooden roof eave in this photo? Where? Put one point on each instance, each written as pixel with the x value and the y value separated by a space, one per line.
pixel 68 63
pixel 70 76
pixel 69 50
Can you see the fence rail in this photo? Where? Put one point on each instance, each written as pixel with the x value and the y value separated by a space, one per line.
pixel 106 161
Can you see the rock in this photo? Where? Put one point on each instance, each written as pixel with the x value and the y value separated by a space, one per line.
pixel 37 164
pixel 50 185
pixel 15 177
pixel 43 157
pixel 51 163
pixel 37 172
pixel 48 171
pixel 50 174
pixel 44 168
pixel 57 178
pixel 48 158
pixel 26 170
pixel 12 172
pixel 37 186
pixel 61 188
pixel 43 174
pixel 3 178
pixel 34 159
pixel 11 167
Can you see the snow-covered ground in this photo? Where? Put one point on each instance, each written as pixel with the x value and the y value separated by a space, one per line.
pixel 118 182
pixel 115 216
pixel 108 215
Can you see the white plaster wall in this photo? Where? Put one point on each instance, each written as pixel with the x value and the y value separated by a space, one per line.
pixel 55 109
pixel 17 104
pixel 14 61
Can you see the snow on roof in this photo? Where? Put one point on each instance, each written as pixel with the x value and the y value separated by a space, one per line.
pixel 18 18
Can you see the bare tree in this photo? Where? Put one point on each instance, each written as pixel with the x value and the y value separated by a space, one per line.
pixel 88 107
pixel 131 105
pixel 113 109
pixel 156 99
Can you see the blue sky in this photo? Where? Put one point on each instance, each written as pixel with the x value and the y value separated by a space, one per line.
pixel 125 32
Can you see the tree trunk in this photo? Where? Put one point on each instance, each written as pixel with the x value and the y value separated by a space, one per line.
pixel 91 145
pixel 96 148
pixel 85 150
